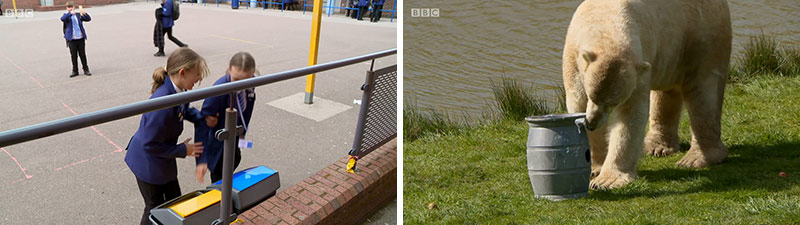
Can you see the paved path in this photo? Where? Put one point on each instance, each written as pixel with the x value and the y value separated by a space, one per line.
pixel 80 176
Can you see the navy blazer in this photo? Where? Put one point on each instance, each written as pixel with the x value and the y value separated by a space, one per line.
pixel 166 19
pixel 213 148
pixel 68 24
pixel 362 3
pixel 153 149
pixel 377 2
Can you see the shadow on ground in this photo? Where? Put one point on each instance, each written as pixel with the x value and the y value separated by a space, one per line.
pixel 748 167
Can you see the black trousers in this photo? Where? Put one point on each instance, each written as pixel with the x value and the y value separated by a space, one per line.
pixel 376 13
pixel 216 175
pixel 353 14
pixel 156 194
pixel 78 48
pixel 362 11
pixel 168 31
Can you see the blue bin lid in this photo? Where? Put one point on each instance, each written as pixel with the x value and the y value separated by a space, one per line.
pixel 248 177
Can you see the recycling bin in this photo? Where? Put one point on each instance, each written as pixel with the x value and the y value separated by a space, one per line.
pixel 251 186
pixel 197 207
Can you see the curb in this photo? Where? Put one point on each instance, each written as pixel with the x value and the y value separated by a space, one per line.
pixel 333 196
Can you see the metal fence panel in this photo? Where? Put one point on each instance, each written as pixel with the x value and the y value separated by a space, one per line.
pixel 378 117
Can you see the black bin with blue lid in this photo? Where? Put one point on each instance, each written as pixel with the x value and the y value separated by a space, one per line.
pixel 251 186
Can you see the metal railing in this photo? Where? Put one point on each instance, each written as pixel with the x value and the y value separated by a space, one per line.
pixel 47 129
pixel 264 3
pixel 356 9
pixel 229 133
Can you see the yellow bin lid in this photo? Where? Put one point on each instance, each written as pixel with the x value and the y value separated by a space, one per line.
pixel 190 206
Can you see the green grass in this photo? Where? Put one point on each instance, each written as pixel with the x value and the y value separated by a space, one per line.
pixel 515 101
pixel 512 101
pixel 763 56
pixel 478 174
pixel 417 123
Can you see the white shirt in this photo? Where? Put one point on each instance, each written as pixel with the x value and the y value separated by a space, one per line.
pixel 177 90
pixel 76 29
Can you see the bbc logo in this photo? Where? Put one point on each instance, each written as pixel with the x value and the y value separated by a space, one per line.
pixel 424 12
pixel 20 13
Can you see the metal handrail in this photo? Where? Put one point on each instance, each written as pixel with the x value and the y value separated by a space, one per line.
pixel 54 127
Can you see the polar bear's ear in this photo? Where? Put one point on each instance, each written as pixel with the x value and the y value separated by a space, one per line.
pixel 588 56
pixel 643 67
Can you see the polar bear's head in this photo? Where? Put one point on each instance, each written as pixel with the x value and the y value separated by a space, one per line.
pixel 609 80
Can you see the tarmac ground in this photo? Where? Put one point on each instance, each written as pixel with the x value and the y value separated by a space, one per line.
pixel 80 177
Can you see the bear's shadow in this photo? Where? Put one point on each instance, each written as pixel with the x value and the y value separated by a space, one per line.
pixel 748 167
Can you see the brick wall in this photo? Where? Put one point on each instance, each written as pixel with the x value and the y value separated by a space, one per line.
pixel 57 4
pixel 333 196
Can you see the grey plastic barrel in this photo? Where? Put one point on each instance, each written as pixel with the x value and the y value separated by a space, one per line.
pixel 558 156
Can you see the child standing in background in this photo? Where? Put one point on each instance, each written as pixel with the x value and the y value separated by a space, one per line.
pixel 76 36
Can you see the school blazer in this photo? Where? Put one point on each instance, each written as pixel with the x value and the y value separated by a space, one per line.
pixel 153 148
pixel 213 148
pixel 68 24
pixel 166 13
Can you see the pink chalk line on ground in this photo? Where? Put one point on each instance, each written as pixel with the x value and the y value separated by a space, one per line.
pixel 94 157
pixel 20 68
pixel 20 165
pixel 118 149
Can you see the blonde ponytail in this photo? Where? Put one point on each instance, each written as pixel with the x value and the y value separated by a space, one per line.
pixel 181 58
pixel 158 78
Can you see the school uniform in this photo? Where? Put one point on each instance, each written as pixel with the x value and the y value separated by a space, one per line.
pixel 213 148
pixel 377 5
pixel 349 4
pixel 153 148
pixel 288 4
pixel 75 35
pixel 362 8
pixel 166 22
pixel 158 31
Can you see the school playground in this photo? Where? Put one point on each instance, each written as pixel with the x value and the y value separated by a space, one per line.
pixel 80 176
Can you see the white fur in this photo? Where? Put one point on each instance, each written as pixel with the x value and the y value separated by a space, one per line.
pixel 629 61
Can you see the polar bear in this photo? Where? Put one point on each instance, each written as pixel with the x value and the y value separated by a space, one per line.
pixel 625 60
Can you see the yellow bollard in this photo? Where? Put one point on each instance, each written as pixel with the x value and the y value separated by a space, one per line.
pixel 14 2
pixel 312 55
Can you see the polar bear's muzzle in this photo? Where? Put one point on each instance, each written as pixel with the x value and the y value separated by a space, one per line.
pixel 596 115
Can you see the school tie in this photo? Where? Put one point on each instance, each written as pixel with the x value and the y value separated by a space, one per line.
pixel 181 109
pixel 241 100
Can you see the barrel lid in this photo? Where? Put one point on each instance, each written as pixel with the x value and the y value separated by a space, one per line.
pixel 555 117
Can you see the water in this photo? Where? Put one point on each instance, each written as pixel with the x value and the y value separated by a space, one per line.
pixel 450 61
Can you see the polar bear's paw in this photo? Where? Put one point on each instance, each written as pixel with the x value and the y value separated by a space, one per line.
pixel 695 158
pixel 611 179
pixel 659 148
pixel 595 172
